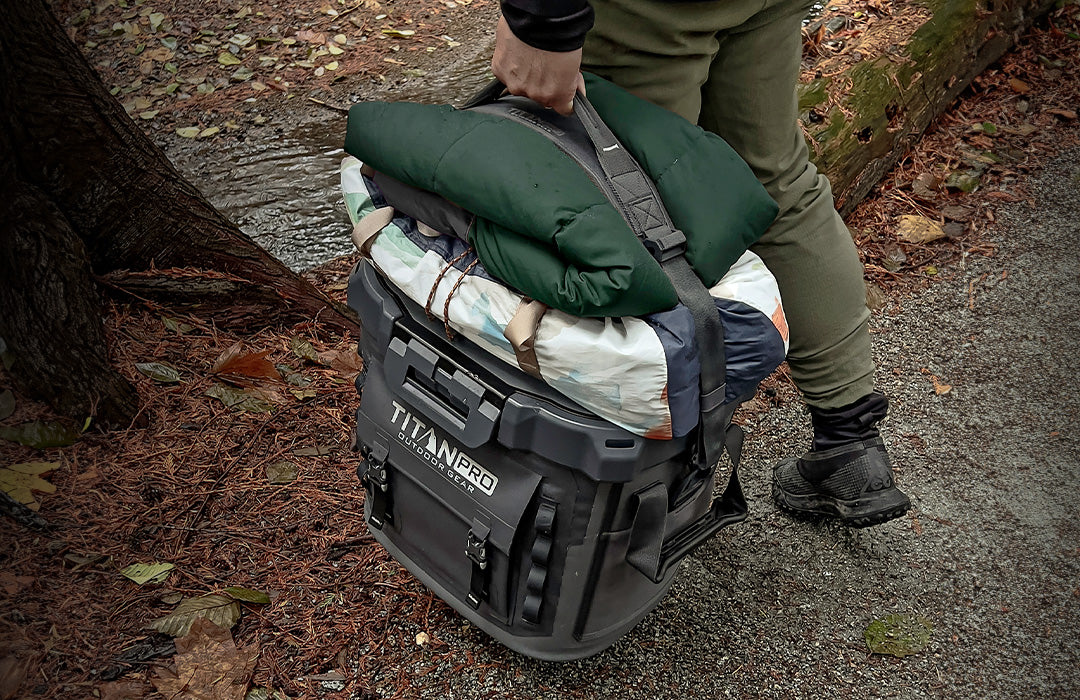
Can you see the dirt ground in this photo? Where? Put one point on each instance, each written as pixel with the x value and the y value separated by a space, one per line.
pixel 969 332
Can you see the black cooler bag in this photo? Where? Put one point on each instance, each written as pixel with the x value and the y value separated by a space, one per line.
pixel 552 530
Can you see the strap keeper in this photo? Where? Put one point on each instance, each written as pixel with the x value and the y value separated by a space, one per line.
pixel 476 551
pixel 666 246
pixel 714 399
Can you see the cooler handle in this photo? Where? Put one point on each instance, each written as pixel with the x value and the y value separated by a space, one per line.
pixel 651 552
pixel 471 422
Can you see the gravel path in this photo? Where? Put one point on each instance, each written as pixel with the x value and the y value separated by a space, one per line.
pixel 776 608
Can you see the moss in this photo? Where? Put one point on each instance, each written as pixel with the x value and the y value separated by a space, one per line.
pixel 812 94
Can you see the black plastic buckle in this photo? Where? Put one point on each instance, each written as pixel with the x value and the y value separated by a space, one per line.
pixel 373 473
pixel 476 546
pixel 476 551
pixel 670 245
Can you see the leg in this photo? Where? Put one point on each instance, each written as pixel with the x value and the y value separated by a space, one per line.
pixel 750 100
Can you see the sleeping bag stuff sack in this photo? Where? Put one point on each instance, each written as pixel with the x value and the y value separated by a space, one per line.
pixel 537 516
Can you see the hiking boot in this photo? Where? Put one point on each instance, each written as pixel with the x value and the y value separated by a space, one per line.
pixel 853 483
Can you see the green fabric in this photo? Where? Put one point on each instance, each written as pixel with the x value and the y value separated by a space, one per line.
pixel 709 192
pixel 732 67
pixel 543 226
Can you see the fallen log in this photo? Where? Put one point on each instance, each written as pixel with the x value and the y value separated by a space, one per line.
pixel 862 109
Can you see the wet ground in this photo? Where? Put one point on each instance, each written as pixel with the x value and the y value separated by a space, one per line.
pixel 279 182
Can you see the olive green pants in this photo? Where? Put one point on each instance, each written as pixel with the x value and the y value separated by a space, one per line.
pixel 732 66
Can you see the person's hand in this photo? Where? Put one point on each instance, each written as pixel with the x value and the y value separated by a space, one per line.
pixel 548 77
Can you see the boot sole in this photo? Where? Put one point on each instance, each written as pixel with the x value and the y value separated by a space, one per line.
pixel 876 509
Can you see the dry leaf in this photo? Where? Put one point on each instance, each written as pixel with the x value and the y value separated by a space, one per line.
pixel 20 481
pixel 345 359
pixel 209 666
pixel 236 362
pixel 1019 86
pixel 221 610
pixel 939 386
pixel 311 37
pixel 919 229
pixel 1063 113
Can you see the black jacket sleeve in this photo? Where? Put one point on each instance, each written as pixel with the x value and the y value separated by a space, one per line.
pixel 550 25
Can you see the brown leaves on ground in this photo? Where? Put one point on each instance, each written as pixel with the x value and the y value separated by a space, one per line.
pixel 235 363
pixel 208 666
pixel 1014 117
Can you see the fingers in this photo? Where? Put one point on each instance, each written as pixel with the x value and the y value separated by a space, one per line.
pixel 550 78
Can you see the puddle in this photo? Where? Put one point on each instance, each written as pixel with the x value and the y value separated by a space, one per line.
pixel 282 188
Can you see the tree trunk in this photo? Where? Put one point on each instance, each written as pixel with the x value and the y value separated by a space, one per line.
pixel 862 118
pixel 91 193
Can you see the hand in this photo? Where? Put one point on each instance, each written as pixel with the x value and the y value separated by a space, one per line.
pixel 548 77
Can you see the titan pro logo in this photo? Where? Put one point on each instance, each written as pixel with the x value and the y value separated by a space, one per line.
pixel 449 461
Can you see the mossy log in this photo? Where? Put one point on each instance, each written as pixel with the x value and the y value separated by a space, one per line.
pixel 861 118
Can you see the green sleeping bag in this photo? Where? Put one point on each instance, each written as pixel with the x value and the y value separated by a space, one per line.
pixel 542 226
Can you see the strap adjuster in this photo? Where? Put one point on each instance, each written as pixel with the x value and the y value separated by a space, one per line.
pixel 666 246
pixel 476 551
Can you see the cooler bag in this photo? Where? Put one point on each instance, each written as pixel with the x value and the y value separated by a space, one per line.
pixel 550 528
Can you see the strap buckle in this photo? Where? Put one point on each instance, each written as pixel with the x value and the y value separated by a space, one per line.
pixel 476 551
pixel 666 246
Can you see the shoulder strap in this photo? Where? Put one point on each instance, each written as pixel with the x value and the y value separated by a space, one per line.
pixel 634 195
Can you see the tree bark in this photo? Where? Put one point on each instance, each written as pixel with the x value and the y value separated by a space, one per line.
pixel 861 119
pixel 92 193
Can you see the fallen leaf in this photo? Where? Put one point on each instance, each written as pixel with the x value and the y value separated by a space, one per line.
pixel 7 404
pixel 1063 113
pixel 212 131
pixel 227 59
pixel 967 181
pixel 265 694
pixel 898 635
pixel 311 37
pixel 236 361
pixel 40 434
pixel 291 376
pixel 320 451
pixel 303 349
pixel 176 326
pixel 940 387
pixel 925 185
pixel 345 359
pixel 218 609
pixel 399 32
pixel 957 213
pixel 209 666
pixel 240 399
pixel 159 372
pixel 156 18
pixel 154 572
pixel 918 229
pixel 281 473
pixel 1017 85
pixel 247 595
pixel 188 132
pixel 81 561
pixel 20 481
pixel 303 394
